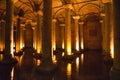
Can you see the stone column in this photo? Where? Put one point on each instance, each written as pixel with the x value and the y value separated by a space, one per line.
pixel 76 32
pixel 68 48
pixel 54 34
pixel 107 26
pixel 115 73
pixel 47 64
pixel 34 37
pixel 18 35
pixel 22 36
pixel 7 57
pixel 2 35
pixel 38 34
pixel 62 35
pixel 81 35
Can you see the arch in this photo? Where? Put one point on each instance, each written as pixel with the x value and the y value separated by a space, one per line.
pixel 92 4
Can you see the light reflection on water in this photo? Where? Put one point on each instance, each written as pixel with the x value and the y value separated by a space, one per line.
pixel 77 65
pixel 12 74
pixel 69 69
pixel 38 62
pixel 1 56
pixel 82 58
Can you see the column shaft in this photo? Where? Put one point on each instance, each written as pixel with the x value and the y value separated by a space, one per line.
pixel 68 30
pixel 106 37
pixel 8 26
pixel 76 32
pixel 81 36
pixel 38 34
pixel 54 34
pixel 46 29
pixel 115 73
pixel 18 35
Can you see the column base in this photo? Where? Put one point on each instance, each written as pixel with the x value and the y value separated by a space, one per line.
pixel 115 74
pixel 107 58
pixel 8 59
pixel 77 53
pixel 46 67
pixel 37 55
pixel 68 57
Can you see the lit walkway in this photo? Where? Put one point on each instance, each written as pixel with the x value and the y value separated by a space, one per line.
pixel 87 66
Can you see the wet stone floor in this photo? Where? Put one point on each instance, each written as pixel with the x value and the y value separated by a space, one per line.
pixel 85 66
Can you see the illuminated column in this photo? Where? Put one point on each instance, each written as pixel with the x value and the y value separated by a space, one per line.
pixel 115 73
pixel 68 29
pixel 38 34
pixel 63 35
pixel 47 64
pixel 76 32
pixel 81 36
pixel 21 36
pixel 107 26
pixel 7 56
pixel 2 35
pixel 18 35
pixel 34 37
pixel 54 34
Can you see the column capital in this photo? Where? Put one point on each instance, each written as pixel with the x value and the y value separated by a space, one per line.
pixel 14 1
pixel 106 1
pixel 40 12
pixel 62 25
pixel 22 25
pixel 2 20
pixel 33 23
pixel 69 6
pixel 102 14
pixel 81 22
pixel 54 20
pixel 76 17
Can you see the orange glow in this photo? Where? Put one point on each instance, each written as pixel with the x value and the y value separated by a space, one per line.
pixel 63 44
pixel 1 47
pixel 77 45
pixel 69 69
pixel 112 42
pixel 38 49
pixel 54 34
pixel 82 58
pixel 34 38
pixel 1 56
pixel 12 74
pixel 82 43
pixel 77 64
pixel 38 62
pixel 17 46
pixel 54 46
pixel 21 45
pixel 63 53
pixel 12 41
pixel 54 59
pixel 68 47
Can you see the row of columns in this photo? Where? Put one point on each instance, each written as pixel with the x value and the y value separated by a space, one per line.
pixel 46 30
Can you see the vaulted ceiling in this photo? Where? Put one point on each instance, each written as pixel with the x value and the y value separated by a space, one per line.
pixel 28 8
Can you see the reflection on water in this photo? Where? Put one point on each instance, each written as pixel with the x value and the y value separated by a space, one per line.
pixel 77 64
pixel 38 62
pixel 12 74
pixel 88 64
pixel 69 69
pixel 82 58
pixel 1 56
